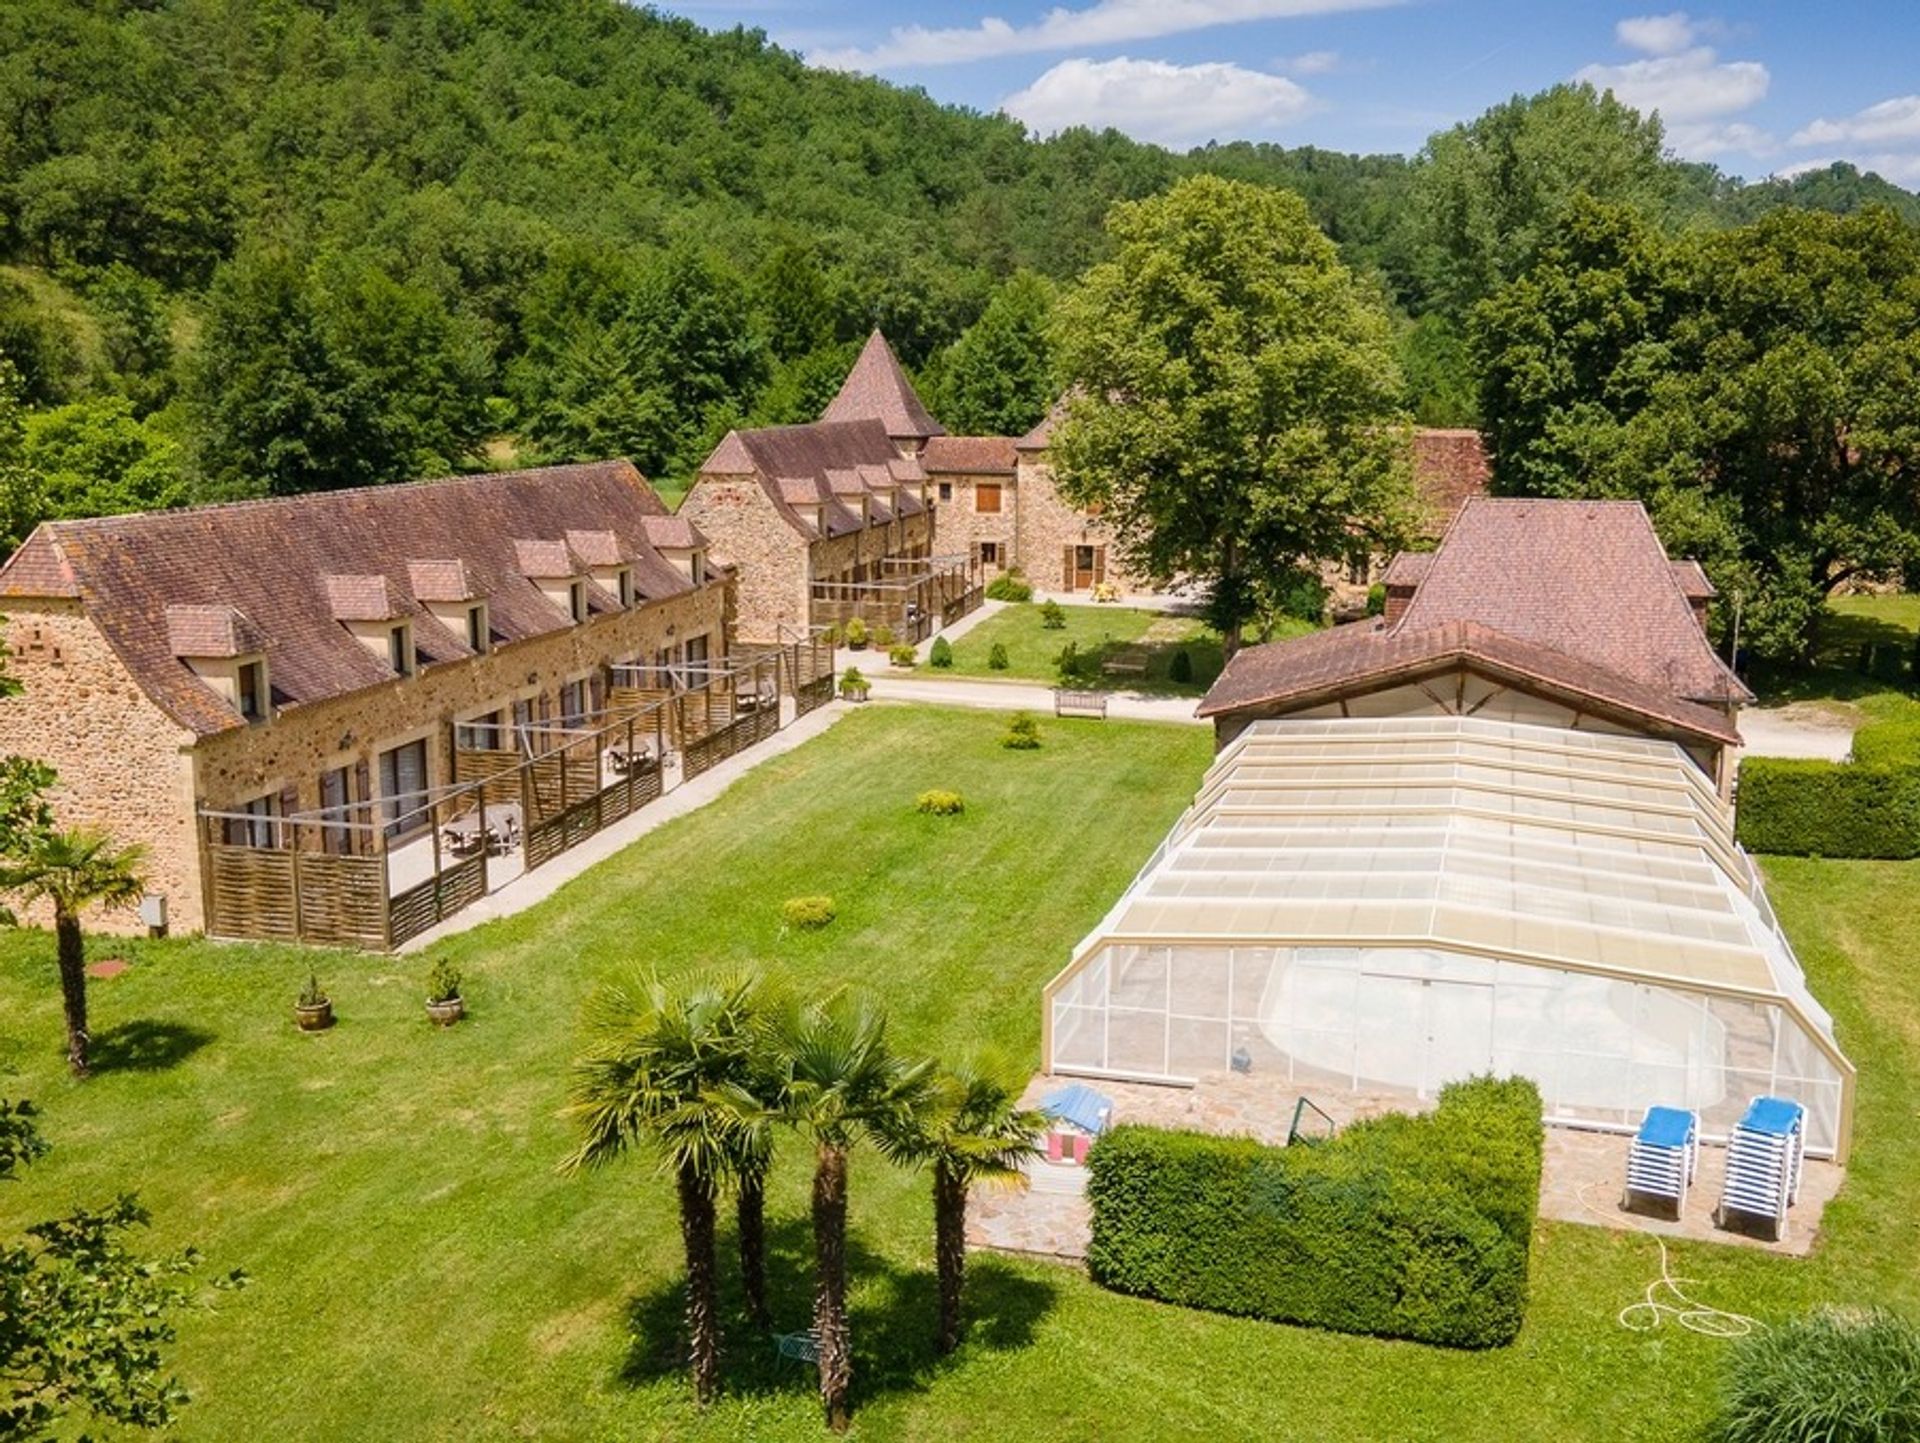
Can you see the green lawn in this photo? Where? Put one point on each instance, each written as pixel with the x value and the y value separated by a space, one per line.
pixel 421 1272
pixel 1888 623
pixel 1101 630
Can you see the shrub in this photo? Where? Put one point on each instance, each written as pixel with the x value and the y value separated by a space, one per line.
pixel 938 803
pixel 1832 1375
pixel 1406 1227
pixel 901 655
pixel 1023 733
pixel 882 637
pixel 1376 599
pixel 997 659
pixel 313 994
pixel 1801 807
pixel 1067 662
pixel 1008 586
pixel 443 982
pixel 1180 669
pixel 808 914
pixel 852 681
pixel 1053 616
pixel 856 633
pixel 940 654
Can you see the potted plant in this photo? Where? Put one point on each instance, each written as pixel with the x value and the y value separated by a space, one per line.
pixel 313 1009
pixel 853 686
pixel 856 635
pixel 445 1006
pixel 901 655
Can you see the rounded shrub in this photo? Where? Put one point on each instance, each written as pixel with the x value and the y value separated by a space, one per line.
pixel 1053 616
pixel 1067 662
pixel 856 634
pixel 936 802
pixel 997 659
pixel 443 982
pixel 852 683
pixel 1008 586
pixel 808 914
pixel 1833 1376
pixel 883 637
pixel 900 655
pixel 940 654
pixel 1180 669
pixel 1023 733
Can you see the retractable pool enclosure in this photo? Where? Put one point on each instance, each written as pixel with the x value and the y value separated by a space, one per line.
pixel 1387 904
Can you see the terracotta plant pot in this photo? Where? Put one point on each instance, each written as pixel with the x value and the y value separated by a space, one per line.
pixel 317 1018
pixel 445 1014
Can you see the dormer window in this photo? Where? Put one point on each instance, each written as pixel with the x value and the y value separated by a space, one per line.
pixel 478 635
pixel 250 690
pixel 577 600
pixel 400 649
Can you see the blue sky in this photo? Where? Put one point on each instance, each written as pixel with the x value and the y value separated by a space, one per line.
pixel 1757 88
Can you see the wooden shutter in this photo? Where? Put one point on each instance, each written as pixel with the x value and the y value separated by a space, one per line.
pixel 1066 568
pixel 1099 565
pixel 361 838
pixel 289 804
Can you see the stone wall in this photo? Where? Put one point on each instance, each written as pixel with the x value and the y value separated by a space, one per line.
pixel 961 528
pixel 1048 525
pixel 124 765
pixel 127 767
pixel 748 532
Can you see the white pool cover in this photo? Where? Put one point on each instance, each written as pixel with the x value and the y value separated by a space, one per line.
pixel 1386 904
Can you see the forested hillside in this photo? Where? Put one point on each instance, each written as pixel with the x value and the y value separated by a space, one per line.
pixel 256 246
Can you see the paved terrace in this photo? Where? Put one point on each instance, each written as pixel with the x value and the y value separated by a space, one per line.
pixel 1580 1182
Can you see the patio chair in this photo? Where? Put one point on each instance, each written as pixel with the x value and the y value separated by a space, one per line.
pixel 799 1347
pixel 1764 1157
pixel 1663 1158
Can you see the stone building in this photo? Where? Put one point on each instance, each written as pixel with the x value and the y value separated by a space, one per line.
pixel 1564 614
pixel 333 653
pixel 825 522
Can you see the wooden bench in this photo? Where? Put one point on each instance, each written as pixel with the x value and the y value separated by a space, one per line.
pixel 1127 661
pixel 1080 703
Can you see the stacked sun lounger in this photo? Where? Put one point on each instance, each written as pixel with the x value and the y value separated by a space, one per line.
pixel 1662 1159
pixel 1764 1156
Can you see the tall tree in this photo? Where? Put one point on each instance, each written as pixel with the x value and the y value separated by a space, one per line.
pixel 998 378
pixel 1488 193
pixel 1752 386
pixel 663 1067
pixel 971 1129
pixel 839 1081
pixel 73 871
pixel 1235 406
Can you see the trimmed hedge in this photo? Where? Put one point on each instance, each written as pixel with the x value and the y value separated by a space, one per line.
pixel 1805 808
pixel 1401 1226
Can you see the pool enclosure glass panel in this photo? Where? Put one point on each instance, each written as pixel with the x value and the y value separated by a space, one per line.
pixel 1388 904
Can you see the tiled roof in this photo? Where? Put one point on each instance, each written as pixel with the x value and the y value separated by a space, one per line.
pixel 1589 578
pixel 1345 659
pixel 546 560
pixel 361 598
pixel 1575 596
pixel 674 533
pixel 1042 432
pixel 598 548
pixel 204 632
pixel 1694 584
pixel 1449 466
pixel 877 389
pixel 973 455
pixel 441 581
pixel 796 466
pixel 269 560
pixel 907 470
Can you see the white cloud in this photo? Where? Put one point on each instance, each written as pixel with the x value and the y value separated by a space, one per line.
pixel 1105 22
pixel 1692 85
pixel 1156 101
pixel 1702 140
pixel 1657 34
pixel 1312 62
pixel 1891 120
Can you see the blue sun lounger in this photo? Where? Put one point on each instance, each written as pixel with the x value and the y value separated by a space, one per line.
pixel 1764 1157
pixel 1662 1159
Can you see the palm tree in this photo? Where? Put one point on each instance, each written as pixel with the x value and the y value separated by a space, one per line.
pixel 666 1060
pixel 972 1129
pixel 73 871
pixel 840 1081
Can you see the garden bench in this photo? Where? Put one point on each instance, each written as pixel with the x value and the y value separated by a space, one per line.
pixel 1128 661
pixel 800 1347
pixel 1080 703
